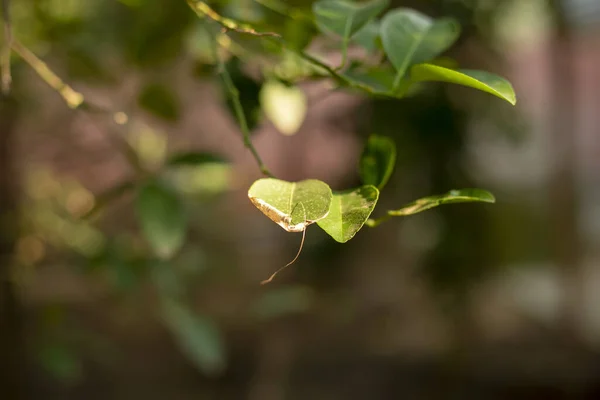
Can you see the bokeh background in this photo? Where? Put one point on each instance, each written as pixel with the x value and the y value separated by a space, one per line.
pixel 469 301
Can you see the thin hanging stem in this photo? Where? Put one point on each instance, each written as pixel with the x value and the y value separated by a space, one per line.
pixel 288 264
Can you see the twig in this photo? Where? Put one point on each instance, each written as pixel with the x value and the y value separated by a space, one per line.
pixel 203 9
pixel 6 50
pixel 73 98
pixel 234 94
pixel 76 100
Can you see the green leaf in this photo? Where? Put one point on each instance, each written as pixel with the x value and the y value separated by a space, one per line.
pixel 344 18
pixel 453 196
pixel 285 106
pixel 480 80
pixel 349 211
pixel 197 335
pixel 62 362
pixel 159 100
pixel 377 161
pixel 410 37
pixel 374 80
pixel 193 158
pixel 368 36
pixel 292 205
pixel 162 218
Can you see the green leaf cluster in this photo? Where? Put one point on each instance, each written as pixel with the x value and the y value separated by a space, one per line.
pixel 341 214
pixel 410 42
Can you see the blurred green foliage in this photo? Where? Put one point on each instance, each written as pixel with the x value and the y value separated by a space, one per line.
pixel 91 42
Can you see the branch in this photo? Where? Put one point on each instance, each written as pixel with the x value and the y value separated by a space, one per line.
pixel 75 100
pixel 234 94
pixel 203 9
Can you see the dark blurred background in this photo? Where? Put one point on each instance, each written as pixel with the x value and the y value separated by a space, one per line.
pixel 472 301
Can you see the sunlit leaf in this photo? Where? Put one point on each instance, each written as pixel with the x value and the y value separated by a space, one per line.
pixel 285 106
pixel 197 336
pixel 349 211
pixel 410 37
pixel 162 218
pixel 453 196
pixel 378 161
pixel 481 80
pixel 292 205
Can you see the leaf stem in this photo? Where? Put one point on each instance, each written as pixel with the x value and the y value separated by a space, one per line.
pixel 372 223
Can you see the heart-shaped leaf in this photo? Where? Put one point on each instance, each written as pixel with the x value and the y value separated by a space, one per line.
pixel 480 80
pixel 162 219
pixel 349 211
pixel 292 205
pixel 410 37
pixel 344 18
pixel 285 106
pixel 377 161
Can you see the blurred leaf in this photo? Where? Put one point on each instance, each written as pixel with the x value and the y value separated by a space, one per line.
pixel 285 106
pixel 167 280
pixel 154 33
pixel 159 100
pixel 283 301
pixel 377 161
pixel 193 158
pixel 480 80
pixel 379 79
pixel 368 37
pixel 292 205
pixel 197 336
pixel 348 212
pixel 453 196
pixel 61 362
pixel 162 218
pixel 202 179
pixel 344 18
pixel 298 33
pixel 410 37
